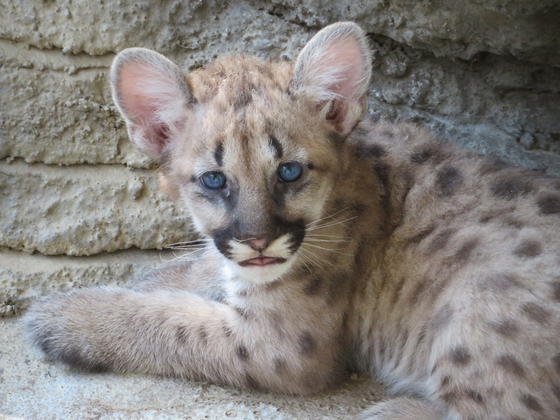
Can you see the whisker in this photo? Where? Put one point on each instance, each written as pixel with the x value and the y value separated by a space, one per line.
pixel 330 224
pixel 312 239
pixel 315 257
pixel 327 217
pixel 243 240
pixel 328 249
pixel 313 262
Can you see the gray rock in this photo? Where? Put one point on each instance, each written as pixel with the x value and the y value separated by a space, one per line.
pixel 24 277
pixel 85 210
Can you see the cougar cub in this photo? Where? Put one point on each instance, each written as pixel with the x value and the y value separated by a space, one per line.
pixel 332 242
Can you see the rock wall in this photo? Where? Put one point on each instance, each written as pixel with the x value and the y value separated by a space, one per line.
pixel 79 206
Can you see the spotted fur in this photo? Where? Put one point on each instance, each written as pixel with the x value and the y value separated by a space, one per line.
pixel 432 269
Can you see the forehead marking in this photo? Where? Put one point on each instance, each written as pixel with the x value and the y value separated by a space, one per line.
pixel 276 147
pixel 219 154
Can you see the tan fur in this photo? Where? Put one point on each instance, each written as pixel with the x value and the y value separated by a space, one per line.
pixel 435 270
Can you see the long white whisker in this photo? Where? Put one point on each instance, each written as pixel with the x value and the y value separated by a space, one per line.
pixel 312 239
pixel 328 249
pixel 327 217
pixel 305 254
pixel 330 224
pixel 316 258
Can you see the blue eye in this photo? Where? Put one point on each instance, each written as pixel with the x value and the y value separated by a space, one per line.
pixel 289 172
pixel 213 180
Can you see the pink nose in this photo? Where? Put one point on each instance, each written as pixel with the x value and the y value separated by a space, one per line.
pixel 258 244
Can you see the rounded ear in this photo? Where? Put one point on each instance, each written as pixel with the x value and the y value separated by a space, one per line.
pixel 152 95
pixel 334 70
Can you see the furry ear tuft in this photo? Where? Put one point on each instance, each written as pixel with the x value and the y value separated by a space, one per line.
pixel 152 95
pixel 333 70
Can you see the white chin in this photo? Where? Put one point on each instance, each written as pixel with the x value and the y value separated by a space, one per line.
pixel 259 274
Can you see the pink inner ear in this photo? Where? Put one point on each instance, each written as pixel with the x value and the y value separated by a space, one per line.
pixel 153 102
pixel 346 62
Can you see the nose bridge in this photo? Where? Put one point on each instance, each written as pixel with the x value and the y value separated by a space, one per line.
pixel 254 214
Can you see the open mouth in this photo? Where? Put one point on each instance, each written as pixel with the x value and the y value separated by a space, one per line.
pixel 262 261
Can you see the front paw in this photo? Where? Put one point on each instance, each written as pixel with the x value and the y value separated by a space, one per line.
pixel 56 325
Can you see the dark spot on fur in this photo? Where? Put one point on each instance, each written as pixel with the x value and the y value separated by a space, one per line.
pixel 530 402
pixel 549 204
pixel 417 291
pixel 536 312
pixel 475 396
pixel 445 381
pixel 556 361
pixel 336 137
pixel 313 286
pixel 442 318
pixel 507 327
pixel 555 388
pixel 203 335
pixel 227 330
pixel 306 343
pixel 423 154
pixel 370 151
pixel 510 187
pixel 466 250
pixel 242 353
pixel 219 154
pixel 496 214
pixel 276 147
pixel 382 170
pixel 500 282
pixel 510 364
pixel 460 356
pixel 448 180
pixel 513 222
pixel 243 313
pixel 440 240
pixel 251 382
pixel 244 97
pixel 422 235
pixel 450 397
pixel 279 365
pixel 182 333
pixel 397 291
pixel 556 290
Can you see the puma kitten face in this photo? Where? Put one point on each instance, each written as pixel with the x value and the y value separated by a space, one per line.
pixel 250 146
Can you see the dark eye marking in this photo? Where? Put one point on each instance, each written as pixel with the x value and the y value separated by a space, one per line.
pixel 219 154
pixel 276 147
pixel 213 180
pixel 290 171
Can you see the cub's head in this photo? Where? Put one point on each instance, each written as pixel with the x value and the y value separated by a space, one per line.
pixel 250 147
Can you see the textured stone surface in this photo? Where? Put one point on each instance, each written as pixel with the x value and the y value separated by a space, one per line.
pixel 57 109
pixel 33 389
pixel 24 277
pixel 86 210
pixel 493 104
pixel 522 28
